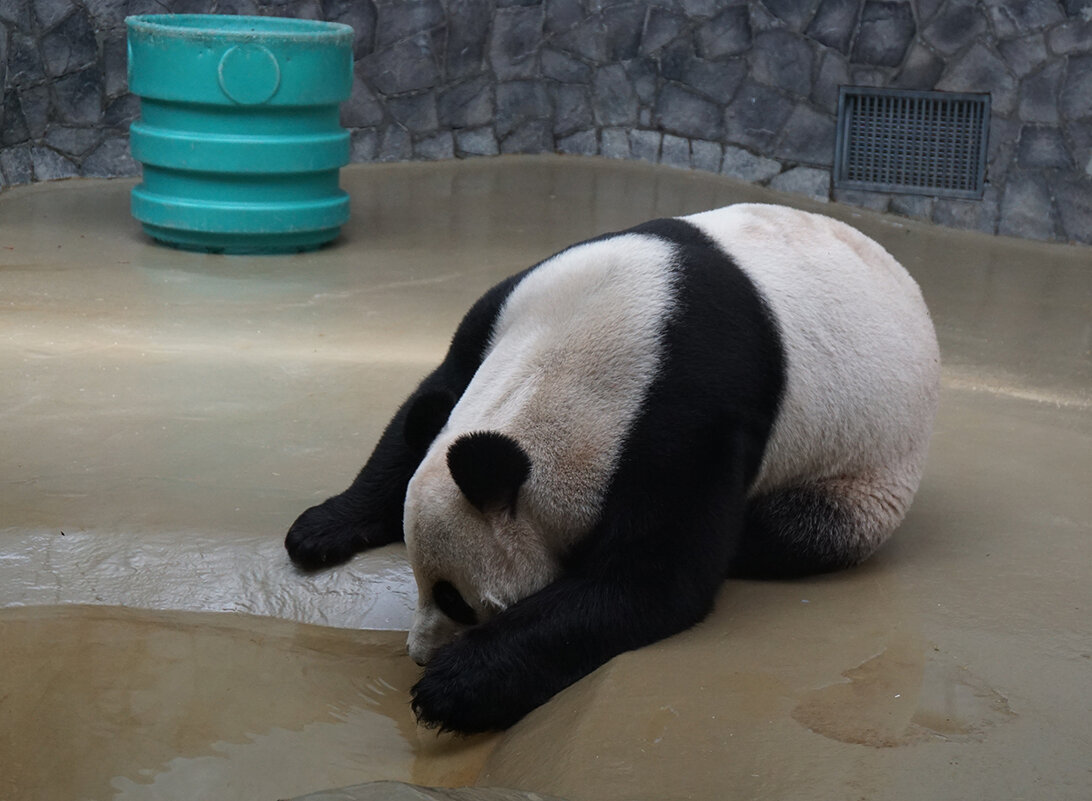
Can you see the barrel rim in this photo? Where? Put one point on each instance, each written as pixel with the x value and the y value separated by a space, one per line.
pixel 199 27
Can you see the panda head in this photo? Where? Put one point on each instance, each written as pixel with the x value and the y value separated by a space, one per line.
pixel 474 546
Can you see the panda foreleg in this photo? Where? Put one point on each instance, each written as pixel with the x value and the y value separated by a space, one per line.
pixel 369 513
pixel 650 570
pixel 821 526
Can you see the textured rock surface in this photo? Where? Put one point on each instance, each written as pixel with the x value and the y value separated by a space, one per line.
pixel 747 88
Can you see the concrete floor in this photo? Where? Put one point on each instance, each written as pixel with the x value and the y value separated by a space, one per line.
pixel 165 415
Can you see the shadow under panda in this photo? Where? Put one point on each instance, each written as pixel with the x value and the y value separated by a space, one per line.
pixel 747 391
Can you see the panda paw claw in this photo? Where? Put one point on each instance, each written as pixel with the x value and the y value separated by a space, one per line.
pixel 320 539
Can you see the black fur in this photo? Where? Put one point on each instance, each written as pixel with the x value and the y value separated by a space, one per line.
pixel 489 467
pixel 369 512
pixel 671 521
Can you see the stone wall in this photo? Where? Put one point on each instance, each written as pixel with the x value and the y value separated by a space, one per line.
pixel 744 88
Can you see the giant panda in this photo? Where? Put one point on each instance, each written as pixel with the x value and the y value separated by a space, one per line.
pixel 748 391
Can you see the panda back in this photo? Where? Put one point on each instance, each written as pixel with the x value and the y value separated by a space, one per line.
pixel 862 364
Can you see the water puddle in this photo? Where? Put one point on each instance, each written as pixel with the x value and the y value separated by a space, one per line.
pixel 120 704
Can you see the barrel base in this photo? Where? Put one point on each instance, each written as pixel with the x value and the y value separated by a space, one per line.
pixel 242 244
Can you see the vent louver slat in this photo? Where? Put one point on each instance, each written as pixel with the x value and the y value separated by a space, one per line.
pixel 929 143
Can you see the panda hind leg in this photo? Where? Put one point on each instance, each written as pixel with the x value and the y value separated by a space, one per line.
pixel 818 527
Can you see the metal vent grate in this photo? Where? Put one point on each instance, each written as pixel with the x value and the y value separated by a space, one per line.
pixel 929 143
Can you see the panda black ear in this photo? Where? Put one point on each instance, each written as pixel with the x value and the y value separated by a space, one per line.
pixel 489 468
pixel 426 416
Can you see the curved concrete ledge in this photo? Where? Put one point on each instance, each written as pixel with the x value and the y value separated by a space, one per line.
pixel 172 412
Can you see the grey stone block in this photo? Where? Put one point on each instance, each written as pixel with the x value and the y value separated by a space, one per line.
pixel 884 33
pixel 614 143
pixel 834 23
pixel 784 61
pixel 533 136
pixel 70 46
pixel 980 70
pixel 110 159
pixel 587 40
pixel 701 8
pixel 74 142
pixel 921 70
pixel 467 33
pixel 13 125
pixel 16 12
pixel 407 66
pixel 436 147
pixel 17 164
pixel 1076 101
pixel 515 40
pixel 361 15
pixel 563 15
pixel 642 74
pixel 1043 147
pixel 572 109
pixel 969 215
pixel 35 103
pixel 518 102
pixel 685 113
pixel 706 156
pixel 400 19
pixel 49 165
pixel 50 12
pixel 1024 54
pixel 795 13
pixel 916 206
pixel 960 23
pixel 756 115
pixel 806 181
pixel 645 145
pixel 833 73
pixel 466 105
pixel 415 113
pixel 745 166
pixel 114 60
pixel 1039 94
pixel 364 146
pixel 1015 17
pixel 1001 148
pixel 395 144
pixel 24 61
pixel 614 97
pixel 79 97
pixel 727 34
pixel 121 112
pixel 763 20
pixel 476 142
pixel 808 137
pixel 622 31
pixel 716 80
pixel 675 151
pixel 1075 36
pixel 363 108
pixel 1026 207
pixel 581 143
pixel 1074 197
pixel 662 25
pixel 563 67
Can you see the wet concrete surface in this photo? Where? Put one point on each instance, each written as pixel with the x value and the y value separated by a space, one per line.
pixel 165 415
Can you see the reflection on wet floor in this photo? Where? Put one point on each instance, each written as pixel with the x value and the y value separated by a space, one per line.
pixel 103 702
pixel 165 415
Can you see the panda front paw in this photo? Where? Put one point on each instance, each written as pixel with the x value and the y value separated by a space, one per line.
pixel 464 690
pixel 321 538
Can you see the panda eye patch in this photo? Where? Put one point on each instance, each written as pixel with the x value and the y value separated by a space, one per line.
pixel 451 603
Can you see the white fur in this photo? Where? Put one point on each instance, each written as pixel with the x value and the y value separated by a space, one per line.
pixel 594 310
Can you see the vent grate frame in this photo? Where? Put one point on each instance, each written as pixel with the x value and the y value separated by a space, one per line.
pixel 911 142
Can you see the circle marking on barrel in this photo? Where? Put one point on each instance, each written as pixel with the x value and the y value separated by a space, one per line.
pixel 249 74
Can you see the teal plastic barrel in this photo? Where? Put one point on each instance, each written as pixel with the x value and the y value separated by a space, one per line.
pixel 239 133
